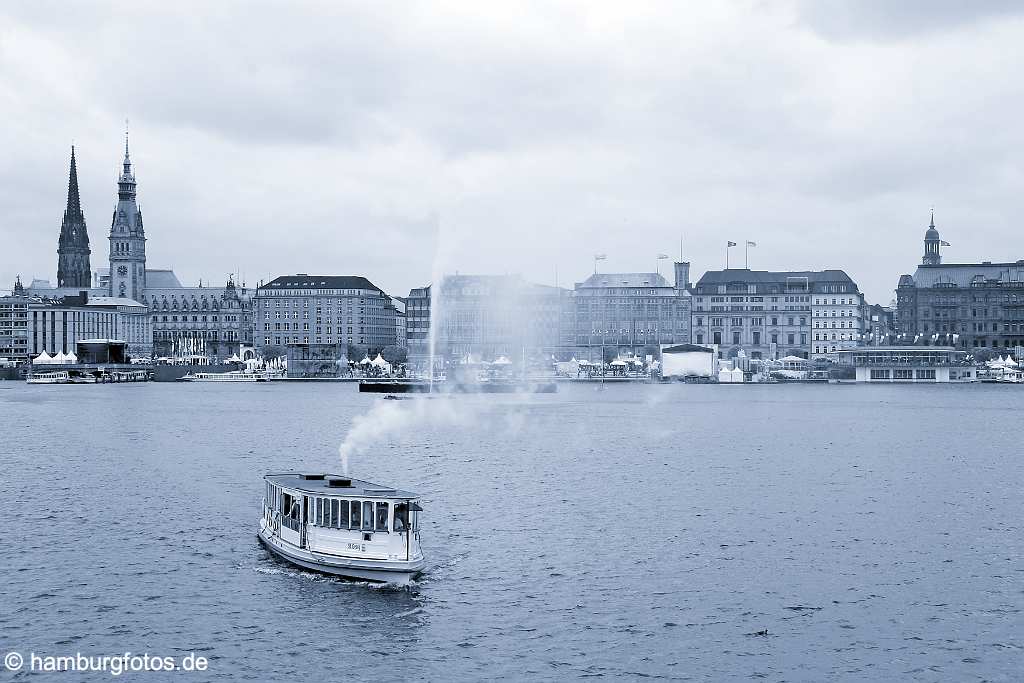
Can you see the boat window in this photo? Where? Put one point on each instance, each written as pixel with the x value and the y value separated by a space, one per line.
pixel 355 515
pixel 382 517
pixel 367 515
pixel 343 519
pixel 336 520
pixel 401 517
pixel 318 515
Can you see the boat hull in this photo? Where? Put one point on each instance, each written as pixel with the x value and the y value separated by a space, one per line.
pixel 398 573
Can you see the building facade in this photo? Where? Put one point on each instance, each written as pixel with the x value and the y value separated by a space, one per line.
pixel 417 326
pixel 339 310
pixel 57 325
pixel 629 312
pixel 484 317
pixel 964 305
pixel 14 326
pixel 837 315
pixel 215 322
pixel 771 315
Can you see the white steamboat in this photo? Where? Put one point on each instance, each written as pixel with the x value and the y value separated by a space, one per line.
pixel 342 526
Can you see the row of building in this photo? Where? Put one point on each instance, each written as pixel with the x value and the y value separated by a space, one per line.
pixel 769 315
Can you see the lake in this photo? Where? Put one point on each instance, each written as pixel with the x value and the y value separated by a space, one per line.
pixel 785 532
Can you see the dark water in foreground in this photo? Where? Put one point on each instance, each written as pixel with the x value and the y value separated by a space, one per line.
pixel 874 532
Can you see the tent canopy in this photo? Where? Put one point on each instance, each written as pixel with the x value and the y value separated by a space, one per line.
pixel 380 362
pixel 501 360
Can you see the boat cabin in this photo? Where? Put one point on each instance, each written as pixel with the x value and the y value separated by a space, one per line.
pixel 342 517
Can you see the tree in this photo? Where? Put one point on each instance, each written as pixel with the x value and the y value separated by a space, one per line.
pixel 271 352
pixel 395 354
pixel 356 353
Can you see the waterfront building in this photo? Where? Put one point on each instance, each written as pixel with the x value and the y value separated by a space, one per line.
pixel 484 317
pixel 629 312
pixel 339 310
pixel 879 324
pixel 315 361
pixel 966 305
pixel 908 364
pixel 771 315
pixel 14 325
pixel 400 314
pixel 57 325
pixel 837 315
pixel 215 322
pixel 417 326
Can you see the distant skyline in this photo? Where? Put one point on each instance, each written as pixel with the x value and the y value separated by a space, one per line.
pixel 395 142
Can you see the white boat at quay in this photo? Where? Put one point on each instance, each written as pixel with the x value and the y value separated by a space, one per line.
pixel 233 376
pixel 61 377
pixel 342 526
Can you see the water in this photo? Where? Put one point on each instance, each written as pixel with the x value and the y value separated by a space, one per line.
pixel 873 532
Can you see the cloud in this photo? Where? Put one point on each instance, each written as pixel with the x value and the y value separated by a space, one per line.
pixel 879 20
pixel 353 138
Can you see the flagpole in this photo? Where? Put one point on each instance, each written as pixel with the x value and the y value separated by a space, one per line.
pixel 746 252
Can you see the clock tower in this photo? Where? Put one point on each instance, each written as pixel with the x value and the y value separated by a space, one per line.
pixel 127 238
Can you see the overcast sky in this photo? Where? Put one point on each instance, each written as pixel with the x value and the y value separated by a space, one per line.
pixel 394 140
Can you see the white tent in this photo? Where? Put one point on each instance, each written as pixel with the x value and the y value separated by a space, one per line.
pixel 1010 362
pixel 380 362
pixel 365 361
pixel 42 359
pixel 71 358
pixel 501 360
pixel 59 359
pixel 234 359
pixel 737 375
pixel 618 363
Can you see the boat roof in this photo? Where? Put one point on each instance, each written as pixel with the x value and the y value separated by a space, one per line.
pixel 334 484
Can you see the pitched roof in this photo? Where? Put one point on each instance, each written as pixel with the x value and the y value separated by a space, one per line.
pixel 302 280
pixel 161 279
pixel 961 274
pixel 625 280
pixel 721 277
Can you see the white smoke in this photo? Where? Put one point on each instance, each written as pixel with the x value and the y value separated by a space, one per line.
pixel 390 419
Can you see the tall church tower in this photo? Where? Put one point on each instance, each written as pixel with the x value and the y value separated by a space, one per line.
pixel 73 246
pixel 931 245
pixel 127 238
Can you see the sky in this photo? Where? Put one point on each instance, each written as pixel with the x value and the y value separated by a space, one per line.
pixel 403 140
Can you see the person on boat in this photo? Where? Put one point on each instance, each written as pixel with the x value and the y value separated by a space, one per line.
pixel 401 517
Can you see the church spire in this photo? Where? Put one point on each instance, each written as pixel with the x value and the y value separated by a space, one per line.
pixel 930 225
pixel 74 205
pixel 73 251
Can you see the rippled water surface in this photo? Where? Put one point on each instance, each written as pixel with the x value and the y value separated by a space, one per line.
pixel 866 533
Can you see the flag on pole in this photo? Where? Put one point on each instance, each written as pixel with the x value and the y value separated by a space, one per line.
pixel 600 257
pixel 730 244
pixel 662 256
pixel 751 244
pixel 944 243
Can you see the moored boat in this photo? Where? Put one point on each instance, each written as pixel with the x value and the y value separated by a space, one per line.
pixel 61 377
pixel 234 376
pixel 342 526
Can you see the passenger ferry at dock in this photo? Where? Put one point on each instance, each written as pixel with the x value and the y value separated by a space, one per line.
pixel 60 377
pixel 233 376
pixel 342 526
